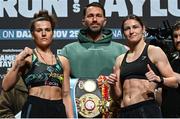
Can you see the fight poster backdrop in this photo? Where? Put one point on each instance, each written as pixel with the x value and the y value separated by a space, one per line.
pixel 15 16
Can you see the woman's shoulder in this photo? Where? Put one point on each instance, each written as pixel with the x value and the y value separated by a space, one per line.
pixel 119 59
pixel 62 57
pixel 154 48
pixel 155 53
pixel 64 60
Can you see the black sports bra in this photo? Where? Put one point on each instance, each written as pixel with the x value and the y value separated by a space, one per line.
pixel 42 74
pixel 137 68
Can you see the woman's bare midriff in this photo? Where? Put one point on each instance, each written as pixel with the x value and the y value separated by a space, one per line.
pixel 46 92
pixel 137 90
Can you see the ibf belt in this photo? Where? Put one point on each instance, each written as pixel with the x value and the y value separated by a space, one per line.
pixel 88 98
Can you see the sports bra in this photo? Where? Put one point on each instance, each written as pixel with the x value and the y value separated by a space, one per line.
pixel 137 68
pixel 41 74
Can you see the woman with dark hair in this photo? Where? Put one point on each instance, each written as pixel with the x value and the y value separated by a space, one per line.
pixel 139 72
pixel 45 74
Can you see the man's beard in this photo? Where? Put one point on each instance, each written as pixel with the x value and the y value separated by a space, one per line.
pixel 94 32
pixel 177 46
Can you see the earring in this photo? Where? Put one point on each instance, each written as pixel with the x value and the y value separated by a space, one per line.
pixel 145 34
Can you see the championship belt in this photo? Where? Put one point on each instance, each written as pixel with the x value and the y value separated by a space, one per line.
pixel 88 100
pixel 106 99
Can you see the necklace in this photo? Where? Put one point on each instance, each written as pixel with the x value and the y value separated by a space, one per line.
pixel 43 57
